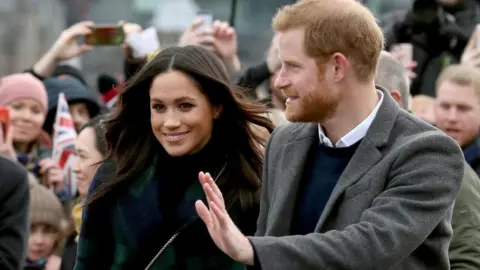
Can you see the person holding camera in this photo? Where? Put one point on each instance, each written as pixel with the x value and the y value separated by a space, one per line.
pixel 438 31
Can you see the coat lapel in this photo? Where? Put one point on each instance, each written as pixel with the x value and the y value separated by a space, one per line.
pixel 294 156
pixel 367 154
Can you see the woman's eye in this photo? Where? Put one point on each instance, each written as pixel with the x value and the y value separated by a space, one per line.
pixel 186 106
pixel 36 111
pixel 158 107
pixel 16 107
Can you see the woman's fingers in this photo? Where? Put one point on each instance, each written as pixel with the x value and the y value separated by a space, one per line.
pixel 215 189
pixel 219 215
pixel 204 213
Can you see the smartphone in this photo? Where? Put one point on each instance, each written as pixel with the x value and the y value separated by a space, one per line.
pixel 207 19
pixel 404 51
pixel 4 120
pixel 106 35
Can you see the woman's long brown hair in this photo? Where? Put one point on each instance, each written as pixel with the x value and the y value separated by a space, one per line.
pixel 131 142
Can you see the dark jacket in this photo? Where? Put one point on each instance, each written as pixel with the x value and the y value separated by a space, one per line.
pixel 126 228
pixel 69 253
pixel 442 51
pixel 464 250
pixel 472 155
pixel 14 203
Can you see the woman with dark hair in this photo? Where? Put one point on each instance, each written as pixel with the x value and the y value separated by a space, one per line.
pixel 91 149
pixel 178 116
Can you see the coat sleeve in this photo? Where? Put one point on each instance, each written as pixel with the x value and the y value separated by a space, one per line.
pixel 14 227
pixel 95 247
pixel 464 251
pixel 415 200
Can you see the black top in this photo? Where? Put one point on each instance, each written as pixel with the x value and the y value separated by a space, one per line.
pixel 14 203
pixel 176 174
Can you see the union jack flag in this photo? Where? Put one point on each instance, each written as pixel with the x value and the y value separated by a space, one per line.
pixel 64 137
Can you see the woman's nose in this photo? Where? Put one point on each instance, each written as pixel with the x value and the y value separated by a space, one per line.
pixel 171 122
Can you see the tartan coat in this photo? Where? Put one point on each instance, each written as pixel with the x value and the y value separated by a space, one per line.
pixel 112 226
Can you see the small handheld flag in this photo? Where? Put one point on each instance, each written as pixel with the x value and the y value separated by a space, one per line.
pixel 64 137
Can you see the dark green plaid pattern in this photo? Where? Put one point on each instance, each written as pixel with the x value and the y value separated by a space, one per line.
pixel 109 230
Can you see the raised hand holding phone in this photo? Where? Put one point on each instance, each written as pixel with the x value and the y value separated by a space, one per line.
pixel 66 46
pixel 6 135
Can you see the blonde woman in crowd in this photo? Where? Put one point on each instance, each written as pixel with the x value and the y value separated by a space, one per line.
pixel 26 98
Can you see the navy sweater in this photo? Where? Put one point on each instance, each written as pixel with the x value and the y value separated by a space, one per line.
pixel 322 172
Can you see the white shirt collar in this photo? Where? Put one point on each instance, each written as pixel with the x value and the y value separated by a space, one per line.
pixel 355 134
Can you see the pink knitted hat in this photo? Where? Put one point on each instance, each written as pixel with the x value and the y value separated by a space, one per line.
pixel 20 86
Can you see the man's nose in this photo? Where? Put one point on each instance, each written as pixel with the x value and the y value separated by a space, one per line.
pixel 282 81
pixel 452 114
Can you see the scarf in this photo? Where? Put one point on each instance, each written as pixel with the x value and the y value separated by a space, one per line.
pixel 77 212
pixel 40 149
pixel 37 265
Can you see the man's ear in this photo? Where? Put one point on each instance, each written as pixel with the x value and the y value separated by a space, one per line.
pixel 217 111
pixel 397 96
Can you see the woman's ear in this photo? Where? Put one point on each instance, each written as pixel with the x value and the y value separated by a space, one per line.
pixel 217 111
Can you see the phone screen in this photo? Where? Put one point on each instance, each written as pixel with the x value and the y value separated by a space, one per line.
pixel 207 19
pixel 4 120
pixel 107 35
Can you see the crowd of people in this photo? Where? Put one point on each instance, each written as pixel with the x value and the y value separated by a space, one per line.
pixel 339 166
